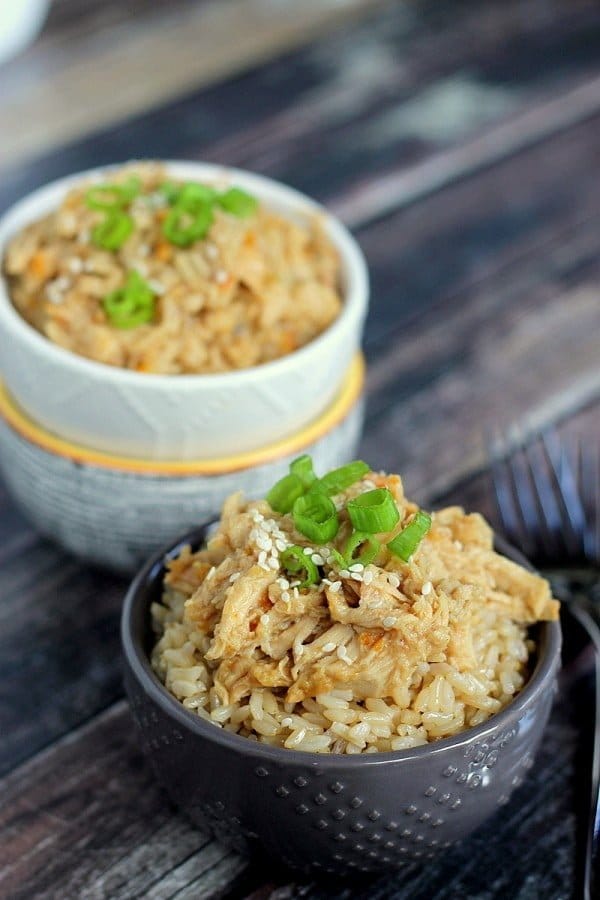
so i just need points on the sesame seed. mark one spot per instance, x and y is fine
(281, 545)
(389, 621)
(74, 265)
(357, 567)
(426, 589)
(234, 577)
(286, 722)
(211, 250)
(264, 619)
(296, 593)
(264, 566)
(336, 585)
(329, 646)
(344, 573)
(156, 286)
(356, 576)
(309, 551)
(262, 557)
(318, 559)
(221, 276)
(264, 542)
(393, 580)
(273, 562)
(283, 583)
(368, 577)
(285, 596)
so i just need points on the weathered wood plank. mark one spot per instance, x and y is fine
(120, 60)
(101, 829)
(381, 98)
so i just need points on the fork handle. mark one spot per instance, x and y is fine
(589, 878)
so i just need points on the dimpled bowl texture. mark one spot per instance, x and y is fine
(330, 813)
(114, 512)
(182, 417)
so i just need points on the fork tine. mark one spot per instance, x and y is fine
(505, 494)
(565, 490)
(528, 500)
(588, 481)
(550, 517)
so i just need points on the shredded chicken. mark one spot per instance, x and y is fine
(368, 630)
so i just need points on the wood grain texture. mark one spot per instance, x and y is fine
(482, 124)
(125, 57)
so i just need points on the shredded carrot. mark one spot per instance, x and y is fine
(163, 251)
(41, 264)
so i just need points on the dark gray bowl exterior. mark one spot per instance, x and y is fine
(330, 813)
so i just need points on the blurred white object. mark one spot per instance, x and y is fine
(20, 23)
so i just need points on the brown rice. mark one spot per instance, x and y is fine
(253, 289)
(375, 658)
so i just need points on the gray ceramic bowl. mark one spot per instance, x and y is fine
(330, 813)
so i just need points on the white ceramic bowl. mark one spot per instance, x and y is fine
(116, 511)
(181, 416)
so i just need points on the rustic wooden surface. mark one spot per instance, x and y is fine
(462, 143)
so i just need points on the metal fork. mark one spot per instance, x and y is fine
(548, 498)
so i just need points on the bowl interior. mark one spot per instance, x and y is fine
(137, 639)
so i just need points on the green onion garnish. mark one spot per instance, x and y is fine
(112, 233)
(339, 479)
(237, 202)
(131, 305)
(316, 517)
(295, 561)
(366, 544)
(193, 194)
(303, 468)
(187, 195)
(284, 493)
(184, 226)
(113, 196)
(406, 542)
(373, 511)
(336, 558)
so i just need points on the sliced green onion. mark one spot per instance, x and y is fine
(296, 561)
(339, 479)
(189, 194)
(303, 468)
(112, 196)
(112, 233)
(193, 194)
(365, 543)
(336, 558)
(316, 517)
(182, 226)
(170, 191)
(284, 493)
(238, 202)
(131, 305)
(406, 542)
(373, 511)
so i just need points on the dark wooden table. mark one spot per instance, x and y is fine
(461, 141)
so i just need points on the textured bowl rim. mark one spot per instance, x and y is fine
(355, 293)
(34, 433)
(540, 680)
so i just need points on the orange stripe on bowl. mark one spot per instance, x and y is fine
(35, 434)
